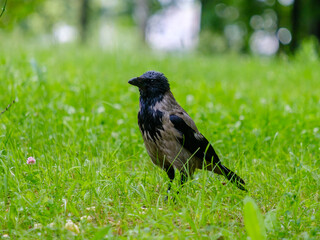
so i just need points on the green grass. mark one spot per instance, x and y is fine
(76, 114)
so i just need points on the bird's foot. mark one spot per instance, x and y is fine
(172, 198)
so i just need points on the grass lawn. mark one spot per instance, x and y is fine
(76, 115)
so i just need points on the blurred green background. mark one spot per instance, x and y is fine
(264, 27)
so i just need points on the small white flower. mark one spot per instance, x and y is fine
(51, 225)
(37, 226)
(91, 208)
(88, 218)
(71, 226)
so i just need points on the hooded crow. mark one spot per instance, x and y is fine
(170, 135)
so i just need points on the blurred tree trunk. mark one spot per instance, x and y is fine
(305, 21)
(315, 24)
(207, 14)
(296, 18)
(84, 19)
(142, 12)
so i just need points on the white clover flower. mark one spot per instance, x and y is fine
(71, 226)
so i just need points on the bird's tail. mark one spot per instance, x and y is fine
(232, 177)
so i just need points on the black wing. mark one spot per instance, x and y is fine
(198, 145)
(194, 142)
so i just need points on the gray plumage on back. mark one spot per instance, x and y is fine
(171, 137)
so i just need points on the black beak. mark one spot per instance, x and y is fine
(136, 82)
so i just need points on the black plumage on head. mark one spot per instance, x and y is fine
(151, 84)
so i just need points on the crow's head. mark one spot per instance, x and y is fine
(151, 84)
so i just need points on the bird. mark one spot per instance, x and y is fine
(170, 136)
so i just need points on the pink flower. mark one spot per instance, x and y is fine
(31, 160)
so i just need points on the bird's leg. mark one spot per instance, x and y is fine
(170, 173)
(184, 178)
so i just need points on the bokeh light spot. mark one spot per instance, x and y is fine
(286, 2)
(284, 36)
(264, 43)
